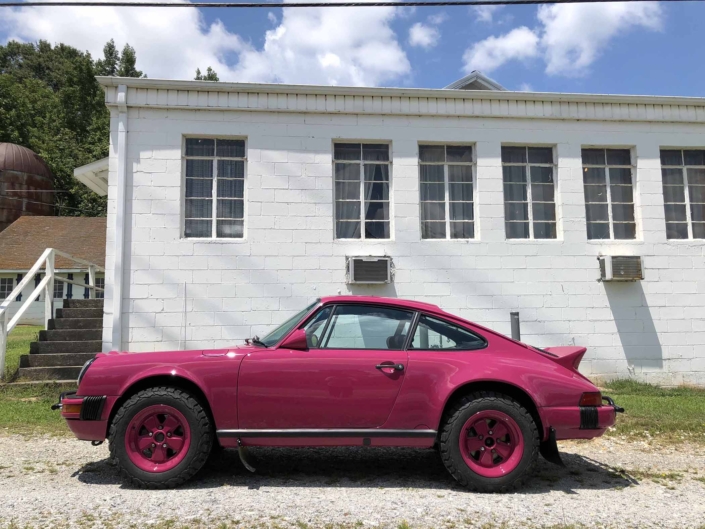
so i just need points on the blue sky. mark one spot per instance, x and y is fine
(638, 48)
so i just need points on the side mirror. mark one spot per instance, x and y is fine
(296, 340)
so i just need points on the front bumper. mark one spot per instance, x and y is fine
(580, 422)
(86, 416)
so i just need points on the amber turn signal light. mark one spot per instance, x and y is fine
(68, 409)
(591, 399)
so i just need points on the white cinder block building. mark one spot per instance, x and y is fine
(233, 205)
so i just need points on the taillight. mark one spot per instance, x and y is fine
(593, 398)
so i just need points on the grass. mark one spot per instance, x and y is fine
(17, 345)
(26, 409)
(658, 414)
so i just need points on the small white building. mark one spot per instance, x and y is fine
(233, 205)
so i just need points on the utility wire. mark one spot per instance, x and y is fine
(28, 201)
(269, 5)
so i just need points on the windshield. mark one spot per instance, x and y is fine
(281, 331)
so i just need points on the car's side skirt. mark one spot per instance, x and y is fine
(372, 432)
(327, 437)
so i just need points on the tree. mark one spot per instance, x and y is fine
(111, 58)
(210, 75)
(128, 59)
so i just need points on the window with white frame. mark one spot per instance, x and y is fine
(100, 283)
(361, 190)
(446, 191)
(58, 289)
(529, 192)
(683, 175)
(214, 205)
(6, 286)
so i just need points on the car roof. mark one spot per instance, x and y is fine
(392, 302)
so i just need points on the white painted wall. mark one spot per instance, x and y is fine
(654, 329)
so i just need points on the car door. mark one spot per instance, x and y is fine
(349, 377)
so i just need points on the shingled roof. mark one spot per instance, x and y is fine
(23, 242)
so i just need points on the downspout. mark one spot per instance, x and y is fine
(119, 252)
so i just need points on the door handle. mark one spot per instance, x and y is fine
(395, 367)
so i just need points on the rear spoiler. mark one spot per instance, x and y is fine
(568, 356)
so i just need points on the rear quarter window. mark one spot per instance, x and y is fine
(436, 334)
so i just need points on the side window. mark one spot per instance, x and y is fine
(316, 326)
(432, 333)
(367, 327)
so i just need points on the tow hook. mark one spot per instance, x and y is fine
(617, 409)
(56, 406)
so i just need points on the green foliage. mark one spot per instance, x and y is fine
(128, 59)
(26, 409)
(17, 345)
(108, 65)
(210, 75)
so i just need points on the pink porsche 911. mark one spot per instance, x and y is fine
(345, 371)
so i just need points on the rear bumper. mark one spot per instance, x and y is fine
(576, 422)
(86, 416)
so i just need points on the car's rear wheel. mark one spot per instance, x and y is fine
(489, 442)
(160, 437)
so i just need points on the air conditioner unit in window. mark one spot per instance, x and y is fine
(369, 270)
(621, 268)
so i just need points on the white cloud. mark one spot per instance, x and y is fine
(485, 13)
(438, 18)
(569, 39)
(493, 52)
(423, 35)
(272, 18)
(312, 46)
(525, 87)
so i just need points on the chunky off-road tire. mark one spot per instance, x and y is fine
(175, 421)
(472, 452)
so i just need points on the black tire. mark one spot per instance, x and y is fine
(198, 451)
(456, 418)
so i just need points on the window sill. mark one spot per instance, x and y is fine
(533, 241)
(615, 241)
(210, 240)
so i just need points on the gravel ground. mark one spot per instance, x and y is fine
(60, 482)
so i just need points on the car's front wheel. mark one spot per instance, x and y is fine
(489, 442)
(160, 437)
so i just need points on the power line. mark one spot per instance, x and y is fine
(270, 5)
(28, 201)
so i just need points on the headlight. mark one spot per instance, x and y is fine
(83, 370)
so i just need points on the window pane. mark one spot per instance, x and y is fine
(230, 148)
(675, 194)
(377, 230)
(462, 230)
(230, 209)
(544, 230)
(376, 191)
(514, 173)
(671, 158)
(623, 212)
(540, 155)
(461, 211)
(598, 230)
(516, 211)
(697, 212)
(542, 192)
(624, 231)
(432, 173)
(619, 157)
(367, 327)
(697, 194)
(376, 173)
(347, 210)
(593, 156)
(622, 193)
(459, 153)
(676, 230)
(542, 175)
(696, 176)
(434, 192)
(347, 151)
(347, 171)
(514, 154)
(432, 153)
(460, 173)
(230, 229)
(515, 193)
(461, 192)
(199, 169)
(595, 193)
(200, 147)
(672, 176)
(347, 230)
(544, 211)
(675, 212)
(594, 175)
(432, 333)
(517, 230)
(198, 209)
(375, 152)
(620, 176)
(377, 210)
(694, 157)
(231, 188)
(596, 212)
(231, 169)
(347, 190)
(698, 230)
(199, 187)
(433, 230)
(433, 211)
(197, 228)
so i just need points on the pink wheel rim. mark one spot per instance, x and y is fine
(491, 443)
(157, 438)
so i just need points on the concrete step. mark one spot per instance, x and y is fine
(49, 373)
(55, 360)
(83, 303)
(75, 323)
(71, 335)
(79, 313)
(94, 346)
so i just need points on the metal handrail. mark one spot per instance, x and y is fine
(46, 261)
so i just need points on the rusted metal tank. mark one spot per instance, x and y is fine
(26, 183)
